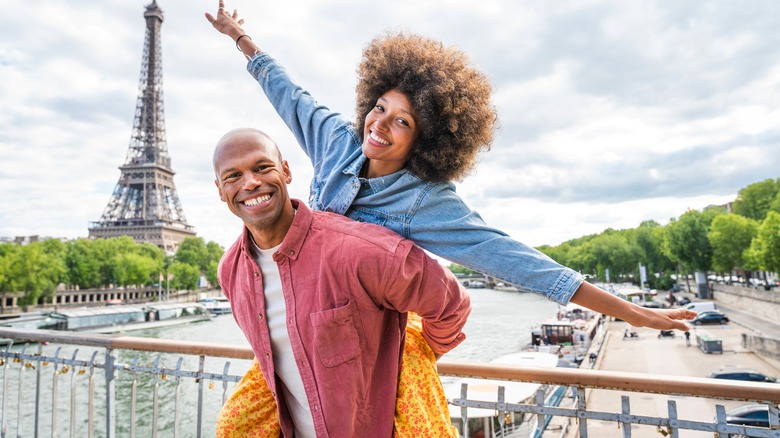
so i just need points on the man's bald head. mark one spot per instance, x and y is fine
(244, 135)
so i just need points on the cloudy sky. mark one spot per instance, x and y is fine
(611, 112)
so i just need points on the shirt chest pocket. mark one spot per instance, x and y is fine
(338, 334)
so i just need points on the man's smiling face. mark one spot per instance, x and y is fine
(252, 179)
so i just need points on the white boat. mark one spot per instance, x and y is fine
(507, 287)
(216, 305)
(114, 319)
(491, 423)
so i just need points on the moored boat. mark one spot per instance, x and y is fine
(216, 305)
(489, 422)
(113, 319)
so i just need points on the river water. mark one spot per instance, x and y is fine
(500, 323)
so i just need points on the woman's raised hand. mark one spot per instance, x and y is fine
(225, 22)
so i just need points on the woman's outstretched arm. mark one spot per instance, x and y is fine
(601, 301)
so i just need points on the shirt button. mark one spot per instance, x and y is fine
(260, 316)
(292, 252)
(257, 274)
(267, 355)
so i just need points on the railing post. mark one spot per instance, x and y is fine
(19, 409)
(177, 400)
(73, 397)
(109, 370)
(673, 419)
(54, 395)
(5, 364)
(38, 372)
(91, 397)
(156, 402)
(463, 410)
(539, 417)
(581, 412)
(201, 369)
(626, 415)
(225, 382)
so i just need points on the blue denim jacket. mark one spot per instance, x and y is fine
(430, 214)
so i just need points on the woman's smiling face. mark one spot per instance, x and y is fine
(390, 131)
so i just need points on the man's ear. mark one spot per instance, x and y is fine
(287, 172)
(219, 189)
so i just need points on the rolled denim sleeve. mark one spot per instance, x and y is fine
(447, 227)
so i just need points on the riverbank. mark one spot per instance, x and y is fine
(650, 354)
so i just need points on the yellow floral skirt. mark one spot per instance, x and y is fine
(420, 407)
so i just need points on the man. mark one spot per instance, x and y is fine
(322, 299)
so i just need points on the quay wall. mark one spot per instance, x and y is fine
(101, 297)
(762, 346)
(759, 302)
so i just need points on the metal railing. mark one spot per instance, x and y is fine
(139, 364)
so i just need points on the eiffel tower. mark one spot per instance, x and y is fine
(144, 204)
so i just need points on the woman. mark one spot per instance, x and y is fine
(423, 114)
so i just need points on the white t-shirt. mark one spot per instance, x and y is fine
(284, 360)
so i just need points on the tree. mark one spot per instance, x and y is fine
(755, 200)
(82, 264)
(7, 253)
(766, 245)
(185, 276)
(34, 273)
(193, 251)
(458, 269)
(730, 236)
(135, 269)
(686, 241)
(648, 241)
(612, 251)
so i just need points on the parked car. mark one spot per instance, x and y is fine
(752, 414)
(710, 317)
(701, 306)
(742, 374)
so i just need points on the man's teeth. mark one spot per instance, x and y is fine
(378, 140)
(257, 201)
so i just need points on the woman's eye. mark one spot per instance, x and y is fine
(403, 122)
(379, 108)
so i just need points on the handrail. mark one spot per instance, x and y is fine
(615, 380)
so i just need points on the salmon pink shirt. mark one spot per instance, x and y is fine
(347, 287)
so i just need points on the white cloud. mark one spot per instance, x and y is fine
(611, 112)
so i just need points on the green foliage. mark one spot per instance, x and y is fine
(83, 264)
(136, 269)
(34, 272)
(193, 251)
(730, 236)
(185, 276)
(7, 254)
(766, 246)
(756, 200)
(211, 274)
(687, 243)
(458, 269)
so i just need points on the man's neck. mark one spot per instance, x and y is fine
(271, 237)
